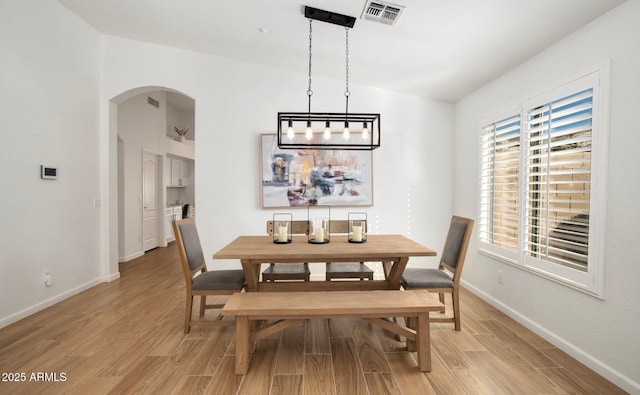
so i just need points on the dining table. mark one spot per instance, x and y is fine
(391, 250)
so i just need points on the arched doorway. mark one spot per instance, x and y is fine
(145, 122)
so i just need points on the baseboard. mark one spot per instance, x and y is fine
(580, 355)
(130, 257)
(112, 277)
(47, 303)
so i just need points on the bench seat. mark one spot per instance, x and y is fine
(288, 308)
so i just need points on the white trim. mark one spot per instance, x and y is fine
(592, 281)
(130, 257)
(48, 302)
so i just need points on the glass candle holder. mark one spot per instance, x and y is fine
(282, 231)
(319, 220)
(357, 227)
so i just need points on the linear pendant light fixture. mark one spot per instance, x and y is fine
(328, 130)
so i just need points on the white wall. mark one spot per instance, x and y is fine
(236, 102)
(49, 114)
(605, 334)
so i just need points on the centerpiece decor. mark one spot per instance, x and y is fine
(357, 227)
(282, 228)
(319, 218)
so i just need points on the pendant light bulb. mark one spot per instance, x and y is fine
(290, 133)
(327, 131)
(345, 133)
(309, 132)
(365, 131)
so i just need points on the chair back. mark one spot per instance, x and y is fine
(297, 228)
(189, 247)
(339, 226)
(455, 247)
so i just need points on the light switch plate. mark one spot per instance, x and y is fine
(48, 172)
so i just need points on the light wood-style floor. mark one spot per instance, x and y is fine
(126, 337)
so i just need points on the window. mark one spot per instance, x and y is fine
(500, 179)
(542, 168)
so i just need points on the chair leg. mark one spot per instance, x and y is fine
(456, 308)
(187, 316)
(203, 304)
(441, 297)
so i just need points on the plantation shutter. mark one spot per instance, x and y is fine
(558, 180)
(499, 179)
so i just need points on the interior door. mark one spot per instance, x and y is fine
(150, 202)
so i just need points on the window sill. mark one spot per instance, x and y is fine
(540, 273)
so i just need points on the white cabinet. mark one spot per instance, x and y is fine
(168, 215)
(179, 172)
(171, 214)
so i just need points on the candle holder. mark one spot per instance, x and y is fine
(319, 219)
(357, 227)
(282, 224)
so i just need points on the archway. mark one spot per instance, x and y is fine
(133, 115)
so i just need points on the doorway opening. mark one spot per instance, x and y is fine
(149, 156)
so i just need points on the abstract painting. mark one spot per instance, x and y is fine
(309, 177)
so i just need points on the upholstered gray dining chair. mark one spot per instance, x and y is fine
(199, 281)
(446, 278)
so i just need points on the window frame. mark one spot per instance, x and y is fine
(590, 281)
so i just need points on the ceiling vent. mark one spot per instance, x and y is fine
(379, 11)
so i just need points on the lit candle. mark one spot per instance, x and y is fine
(282, 234)
(319, 234)
(357, 233)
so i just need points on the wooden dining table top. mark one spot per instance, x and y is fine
(392, 251)
(376, 248)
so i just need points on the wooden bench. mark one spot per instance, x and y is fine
(289, 308)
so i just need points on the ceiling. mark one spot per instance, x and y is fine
(439, 49)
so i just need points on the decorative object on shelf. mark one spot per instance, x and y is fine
(299, 178)
(182, 133)
(282, 229)
(367, 125)
(319, 218)
(357, 227)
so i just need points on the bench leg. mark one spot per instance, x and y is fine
(242, 344)
(411, 322)
(423, 342)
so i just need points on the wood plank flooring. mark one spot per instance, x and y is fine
(126, 337)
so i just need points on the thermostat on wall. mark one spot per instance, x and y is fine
(48, 172)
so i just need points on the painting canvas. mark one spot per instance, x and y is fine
(304, 177)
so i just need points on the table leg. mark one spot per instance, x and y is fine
(423, 342)
(395, 273)
(251, 274)
(386, 267)
(242, 344)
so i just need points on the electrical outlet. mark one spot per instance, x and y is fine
(500, 277)
(48, 279)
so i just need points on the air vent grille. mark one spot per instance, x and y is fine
(379, 11)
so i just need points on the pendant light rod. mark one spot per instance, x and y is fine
(329, 17)
(309, 91)
(367, 138)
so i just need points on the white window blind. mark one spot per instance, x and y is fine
(558, 180)
(542, 184)
(500, 167)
